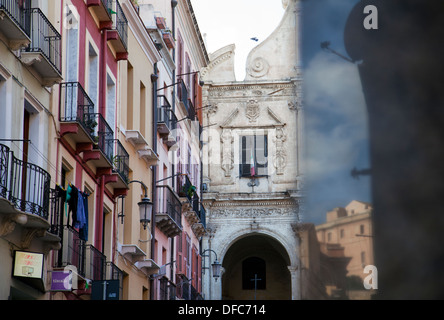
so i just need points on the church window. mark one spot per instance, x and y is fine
(254, 155)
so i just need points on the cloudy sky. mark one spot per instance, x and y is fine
(335, 114)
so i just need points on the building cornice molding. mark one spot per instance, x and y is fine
(141, 34)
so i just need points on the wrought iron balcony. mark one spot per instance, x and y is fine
(167, 289)
(183, 93)
(196, 215)
(45, 51)
(76, 108)
(105, 138)
(84, 126)
(121, 164)
(95, 263)
(13, 21)
(168, 211)
(25, 185)
(183, 187)
(88, 260)
(165, 116)
(118, 35)
(191, 110)
(72, 252)
(102, 9)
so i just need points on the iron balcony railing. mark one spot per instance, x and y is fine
(16, 11)
(24, 184)
(44, 37)
(199, 209)
(169, 204)
(183, 93)
(73, 251)
(122, 25)
(56, 212)
(87, 259)
(121, 161)
(114, 273)
(108, 4)
(167, 289)
(191, 110)
(77, 106)
(105, 137)
(95, 263)
(203, 216)
(184, 186)
(195, 295)
(165, 113)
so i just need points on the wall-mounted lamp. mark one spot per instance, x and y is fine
(145, 206)
(216, 266)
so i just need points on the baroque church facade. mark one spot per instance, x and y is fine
(253, 169)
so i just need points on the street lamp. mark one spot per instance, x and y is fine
(145, 206)
(216, 266)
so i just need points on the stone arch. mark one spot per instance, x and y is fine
(262, 245)
(285, 242)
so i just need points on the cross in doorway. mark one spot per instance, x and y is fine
(255, 284)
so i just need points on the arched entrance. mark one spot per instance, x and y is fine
(257, 257)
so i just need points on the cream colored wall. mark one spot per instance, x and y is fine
(353, 242)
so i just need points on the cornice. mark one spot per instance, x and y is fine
(141, 34)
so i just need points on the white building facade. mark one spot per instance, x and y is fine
(252, 168)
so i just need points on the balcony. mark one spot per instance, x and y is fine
(191, 110)
(168, 38)
(44, 53)
(183, 94)
(88, 260)
(167, 289)
(88, 131)
(196, 215)
(24, 192)
(168, 212)
(142, 147)
(12, 24)
(121, 165)
(164, 116)
(183, 187)
(102, 10)
(75, 110)
(118, 35)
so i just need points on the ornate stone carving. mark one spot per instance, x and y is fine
(29, 234)
(252, 111)
(227, 162)
(258, 68)
(280, 158)
(253, 212)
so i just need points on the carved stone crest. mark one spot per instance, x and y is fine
(252, 111)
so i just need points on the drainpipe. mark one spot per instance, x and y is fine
(154, 78)
(173, 26)
(101, 110)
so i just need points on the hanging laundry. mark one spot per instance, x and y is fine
(80, 221)
(72, 199)
(84, 230)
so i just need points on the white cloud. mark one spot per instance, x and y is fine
(336, 117)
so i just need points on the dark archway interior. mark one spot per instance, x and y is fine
(256, 255)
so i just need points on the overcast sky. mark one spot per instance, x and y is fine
(336, 120)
